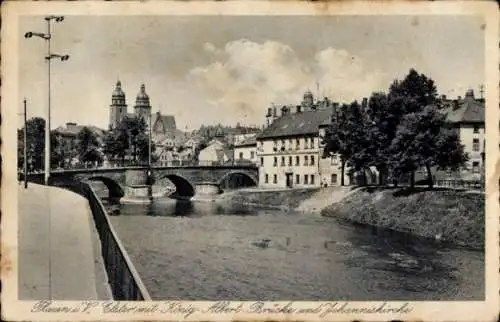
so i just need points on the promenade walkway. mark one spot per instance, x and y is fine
(59, 250)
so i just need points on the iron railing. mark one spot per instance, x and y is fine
(124, 280)
(460, 184)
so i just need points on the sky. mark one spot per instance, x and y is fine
(229, 69)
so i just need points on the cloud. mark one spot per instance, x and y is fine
(248, 76)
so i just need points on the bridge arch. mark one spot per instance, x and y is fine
(183, 187)
(242, 178)
(114, 188)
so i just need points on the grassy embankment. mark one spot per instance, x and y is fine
(452, 216)
(278, 199)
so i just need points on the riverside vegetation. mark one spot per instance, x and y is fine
(450, 216)
(446, 215)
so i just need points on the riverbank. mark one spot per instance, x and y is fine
(283, 199)
(448, 215)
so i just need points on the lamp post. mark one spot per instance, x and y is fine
(48, 36)
(25, 148)
(150, 174)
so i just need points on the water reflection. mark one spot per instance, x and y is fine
(179, 208)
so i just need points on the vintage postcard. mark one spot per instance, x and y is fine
(250, 161)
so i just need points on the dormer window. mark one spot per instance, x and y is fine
(476, 129)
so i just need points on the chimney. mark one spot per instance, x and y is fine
(275, 114)
(460, 98)
(456, 103)
(284, 110)
(298, 109)
(443, 97)
(364, 103)
(269, 112)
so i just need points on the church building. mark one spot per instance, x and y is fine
(162, 124)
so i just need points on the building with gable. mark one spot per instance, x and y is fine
(467, 117)
(245, 151)
(164, 132)
(217, 151)
(289, 149)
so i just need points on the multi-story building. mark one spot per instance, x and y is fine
(288, 149)
(466, 116)
(245, 151)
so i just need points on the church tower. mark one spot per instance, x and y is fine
(118, 107)
(142, 107)
(308, 101)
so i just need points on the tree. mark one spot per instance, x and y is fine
(115, 146)
(411, 95)
(346, 137)
(88, 146)
(35, 144)
(380, 128)
(57, 152)
(131, 138)
(423, 141)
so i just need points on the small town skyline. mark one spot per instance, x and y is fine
(232, 76)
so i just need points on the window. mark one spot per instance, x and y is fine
(275, 146)
(275, 179)
(334, 160)
(475, 145)
(289, 144)
(312, 159)
(334, 178)
(241, 155)
(267, 178)
(306, 159)
(282, 161)
(306, 177)
(275, 164)
(297, 144)
(290, 160)
(297, 179)
(262, 161)
(312, 178)
(312, 143)
(475, 167)
(252, 154)
(282, 145)
(476, 129)
(297, 160)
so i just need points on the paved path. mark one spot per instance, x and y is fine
(59, 251)
(323, 198)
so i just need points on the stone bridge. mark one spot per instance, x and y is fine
(188, 180)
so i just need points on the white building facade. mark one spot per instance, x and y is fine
(245, 152)
(289, 149)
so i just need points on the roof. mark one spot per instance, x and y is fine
(167, 120)
(74, 129)
(468, 110)
(295, 124)
(250, 141)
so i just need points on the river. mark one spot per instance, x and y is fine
(208, 251)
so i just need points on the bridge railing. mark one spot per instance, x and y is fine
(460, 184)
(124, 280)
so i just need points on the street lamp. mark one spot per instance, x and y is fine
(48, 36)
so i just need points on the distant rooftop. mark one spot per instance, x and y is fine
(466, 110)
(296, 124)
(248, 142)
